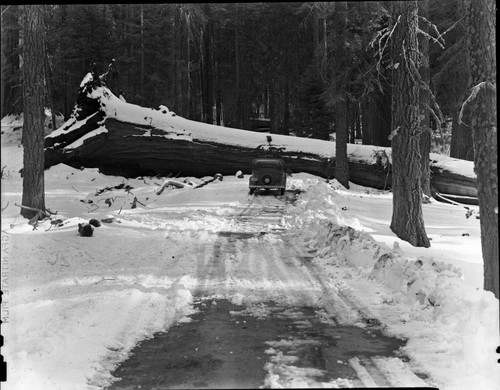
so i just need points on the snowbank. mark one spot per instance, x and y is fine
(451, 326)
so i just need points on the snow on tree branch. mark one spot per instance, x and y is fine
(383, 34)
(439, 39)
(475, 90)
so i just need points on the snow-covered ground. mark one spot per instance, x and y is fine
(75, 306)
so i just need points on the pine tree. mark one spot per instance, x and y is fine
(341, 122)
(425, 134)
(407, 220)
(33, 94)
(11, 101)
(449, 71)
(481, 53)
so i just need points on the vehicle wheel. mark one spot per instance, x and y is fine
(266, 179)
(252, 190)
(282, 191)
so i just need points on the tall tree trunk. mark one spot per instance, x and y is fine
(461, 138)
(376, 118)
(218, 107)
(342, 135)
(425, 135)
(208, 66)
(286, 113)
(315, 29)
(384, 107)
(143, 94)
(50, 87)
(33, 127)
(218, 87)
(11, 102)
(481, 52)
(203, 90)
(177, 58)
(266, 102)
(273, 110)
(407, 220)
(188, 75)
(239, 102)
(351, 121)
(358, 132)
(368, 120)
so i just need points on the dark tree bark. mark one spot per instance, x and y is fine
(342, 136)
(273, 109)
(50, 88)
(377, 119)
(177, 58)
(351, 123)
(461, 146)
(407, 220)
(425, 136)
(218, 107)
(142, 75)
(239, 99)
(315, 28)
(208, 103)
(11, 95)
(286, 110)
(33, 127)
(481, 52)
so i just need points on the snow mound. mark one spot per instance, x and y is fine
(318, 206)
(452, 316)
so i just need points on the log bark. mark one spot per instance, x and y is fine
(139, 149)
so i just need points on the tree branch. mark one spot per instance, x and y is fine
(475, 90)
(46, 213)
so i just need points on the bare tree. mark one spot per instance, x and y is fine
(33, 127)
(407, 220)
(481, 53)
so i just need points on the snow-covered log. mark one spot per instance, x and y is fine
(130, 140)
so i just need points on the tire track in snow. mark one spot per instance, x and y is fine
(297, 287)
(254, 260)
(274, 261)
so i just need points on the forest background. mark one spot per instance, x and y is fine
(281, 67)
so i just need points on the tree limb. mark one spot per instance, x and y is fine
(473, 95)
(46, 213)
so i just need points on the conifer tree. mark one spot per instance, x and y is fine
(33, 127)
(407, 220)
(482, 103)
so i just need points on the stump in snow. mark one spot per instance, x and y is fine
(85, 229)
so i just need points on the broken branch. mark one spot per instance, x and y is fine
(169, 182)
(45, 213)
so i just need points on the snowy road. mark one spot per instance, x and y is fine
(265, 315)
(300, 288)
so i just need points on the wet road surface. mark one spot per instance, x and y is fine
(295, 329)
(222, 347)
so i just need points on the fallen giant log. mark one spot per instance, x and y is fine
(124, 139)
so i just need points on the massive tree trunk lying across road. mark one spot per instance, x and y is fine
(125, 139)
